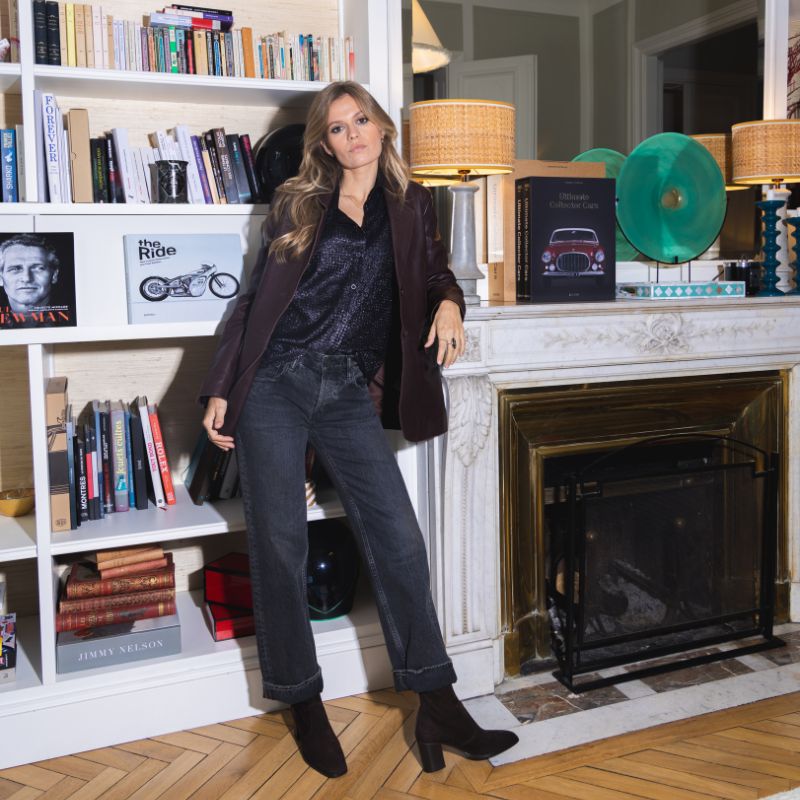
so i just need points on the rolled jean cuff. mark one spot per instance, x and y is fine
(426, 679)
(295, 693)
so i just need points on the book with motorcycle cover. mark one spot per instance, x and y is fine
(37, 280)
(182, 277)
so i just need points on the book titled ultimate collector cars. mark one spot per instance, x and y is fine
(565, 239)
(182, 277)
(37, 280)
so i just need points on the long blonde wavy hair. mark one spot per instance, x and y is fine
(320, 173)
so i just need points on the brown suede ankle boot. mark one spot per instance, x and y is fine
(316, 740)
(443, 720)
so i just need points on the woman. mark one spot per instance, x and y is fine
(351, 311)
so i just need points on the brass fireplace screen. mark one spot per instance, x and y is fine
(551, 435)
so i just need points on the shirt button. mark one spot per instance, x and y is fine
(352, 286)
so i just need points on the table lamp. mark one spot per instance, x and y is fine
(427, 52)
(462, 139)
(767, 151)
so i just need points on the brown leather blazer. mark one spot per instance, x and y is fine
(410, 382)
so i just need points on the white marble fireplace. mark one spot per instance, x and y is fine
(558, 345)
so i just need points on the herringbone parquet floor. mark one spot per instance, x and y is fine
(747, 752)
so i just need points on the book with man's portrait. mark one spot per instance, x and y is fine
(37, 280)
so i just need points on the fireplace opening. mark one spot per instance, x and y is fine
(655, 549)
(649, 580)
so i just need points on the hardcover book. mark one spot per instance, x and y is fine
(182, 277)
(566, 250)
(121, 643)
(83, 580)
(58, 469)
(37, 281)
(8, 647)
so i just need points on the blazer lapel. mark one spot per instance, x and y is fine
(401, 222)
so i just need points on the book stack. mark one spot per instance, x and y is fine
(111, 459)
(183, 39)
(117, 614)
(117, 586)
(213, 473)
(78, 168)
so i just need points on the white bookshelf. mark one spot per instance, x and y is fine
(104, 356)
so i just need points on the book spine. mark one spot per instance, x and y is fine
(50, 113)
(229, 64)
(225, 166)
(526, 240)
(91, 472)
(197, 154)
(71, 621)
(100, 189)
(518, 238)
(97, 36)
(8, 156)
(109, 559)
(40, 31)
(13, 30)
(62, 34)
(129, 458)
(152, 458)
(120, 461)
(107, 492)
(89, 33)
(80, 465)
(139, 462)
(208, 138)
(133, 569)
(117, 600)
(80, 35)
(74, 511)
(247, 51)
(20, 155)
(161, 454)
(250, 169)
(97, 587)
(193, 182)
(239, 174)
(217, 53)
(210, 70)
(212, 183)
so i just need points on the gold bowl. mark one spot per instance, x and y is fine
(16, 502)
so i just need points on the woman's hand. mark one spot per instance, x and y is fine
(213, 420)
(449, 329)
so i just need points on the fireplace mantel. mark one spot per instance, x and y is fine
(515, 346)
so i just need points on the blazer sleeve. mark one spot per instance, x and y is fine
(440, 279)
(222, 372)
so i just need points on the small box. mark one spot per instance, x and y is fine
(229, 623)
(57, 461)
(8, 647)
(705, 290)
(227, 582)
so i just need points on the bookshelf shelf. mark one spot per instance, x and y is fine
(180, 521)
(164, 87)
(199, 652)
(10, 78)
(131, 209)
(17, 538)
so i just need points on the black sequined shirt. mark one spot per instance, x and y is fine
(343, 304)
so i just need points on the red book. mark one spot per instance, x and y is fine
(84, 581)
(161, 454)
(117, 600)
(73, 621)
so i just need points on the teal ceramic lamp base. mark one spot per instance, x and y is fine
(793, 223)
(769, 280)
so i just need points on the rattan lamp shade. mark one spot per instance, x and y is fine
(719, 145)
(451, 137)
(766, 151)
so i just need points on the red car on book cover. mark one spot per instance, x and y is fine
(573, 252)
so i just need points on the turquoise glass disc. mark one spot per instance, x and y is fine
(671, 198)
(613, 161)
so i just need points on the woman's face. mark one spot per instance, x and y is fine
(352, 139)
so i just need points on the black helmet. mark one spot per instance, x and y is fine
(332, 570)
(278, 156)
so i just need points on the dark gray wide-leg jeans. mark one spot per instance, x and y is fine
(324, 400)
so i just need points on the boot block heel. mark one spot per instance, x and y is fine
(432, 757)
